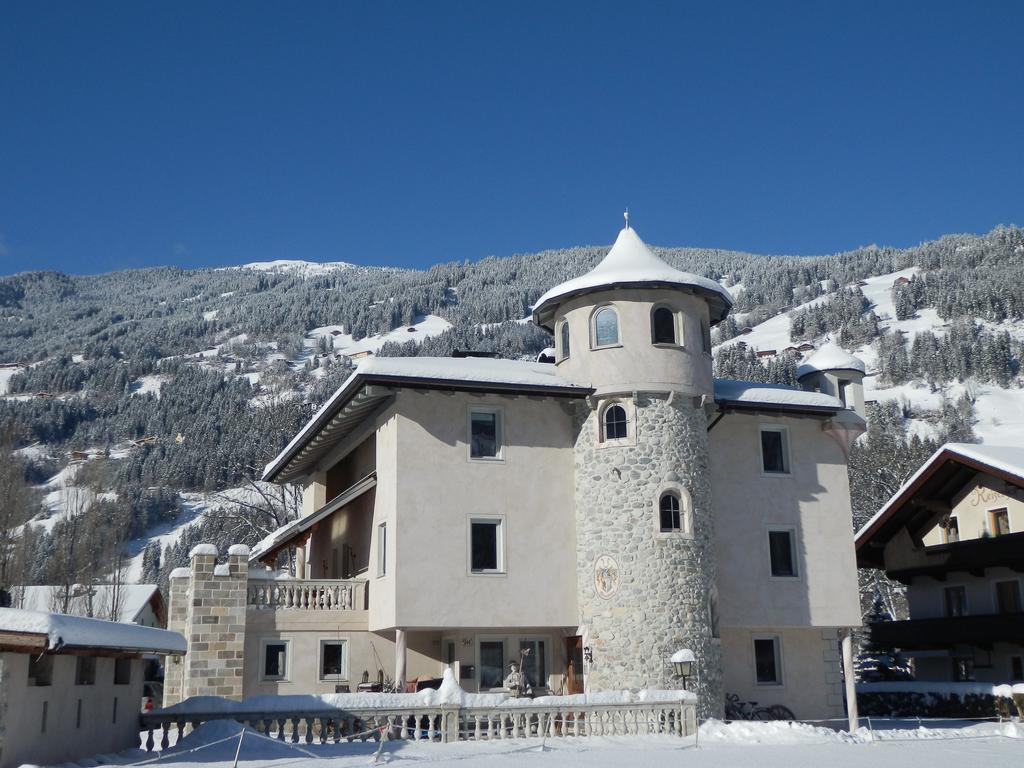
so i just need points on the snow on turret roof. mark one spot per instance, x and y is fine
(629, 263)
(71, 632)
(831, 357)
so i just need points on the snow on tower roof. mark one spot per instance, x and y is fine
(77, 632)
(631, 263)
(831, 357)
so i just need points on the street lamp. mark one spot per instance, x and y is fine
(682, 664)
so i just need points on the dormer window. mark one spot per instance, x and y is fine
(606, 327)
(564, 338)
(614, 422)
(663, 326)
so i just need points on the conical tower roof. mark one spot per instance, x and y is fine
(831, 357)
(630, 263)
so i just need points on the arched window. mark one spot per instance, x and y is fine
(663, 326)
(614, 422)
(565, 339)
(671, 520)
(606, 327)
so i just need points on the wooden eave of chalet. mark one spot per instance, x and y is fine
(925, 499)
(298, 531)
(982, 631)
(366, 394)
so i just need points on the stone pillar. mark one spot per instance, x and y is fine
(314, 494)
(644, 594)
(400, 653)
(214, 664)
(300, 561)
(850, 681)
(177, 621)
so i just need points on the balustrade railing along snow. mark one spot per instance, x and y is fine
(308, 594)
(515, 718)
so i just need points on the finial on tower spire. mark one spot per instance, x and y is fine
(626, 216)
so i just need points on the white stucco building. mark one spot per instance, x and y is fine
(600, 513)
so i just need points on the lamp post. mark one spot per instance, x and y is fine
(682, 664)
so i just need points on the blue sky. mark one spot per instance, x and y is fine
(409, 133)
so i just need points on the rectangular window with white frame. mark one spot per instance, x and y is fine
(486, 545)
(274, 660)
(782, 553)
(382, 549)
(486, 434)
(775, 450)
(767, 660)
(334, 660)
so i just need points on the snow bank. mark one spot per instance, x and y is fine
(80, 632)
(750, 732)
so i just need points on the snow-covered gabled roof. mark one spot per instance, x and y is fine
(831, 357)
(630, 263)
(1004, 461)
(132, 599)
(373, 382)
(60, 632)
(753, 395)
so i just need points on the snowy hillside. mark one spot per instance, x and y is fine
(143, 402)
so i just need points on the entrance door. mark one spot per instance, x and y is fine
(574, 664)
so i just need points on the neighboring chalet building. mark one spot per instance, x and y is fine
(71, 687)
(597, 514)
(127, 603)
(954, 534)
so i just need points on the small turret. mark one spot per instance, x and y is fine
(834, 371)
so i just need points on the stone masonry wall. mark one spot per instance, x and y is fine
(214, 623)
(644, 595)
(177, 621)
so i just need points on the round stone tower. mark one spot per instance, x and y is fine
(637, 331)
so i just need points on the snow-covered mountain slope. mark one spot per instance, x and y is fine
(998, 411)
(177, 383)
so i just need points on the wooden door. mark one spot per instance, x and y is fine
(574, 664)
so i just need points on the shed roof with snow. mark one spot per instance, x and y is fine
(60, 633)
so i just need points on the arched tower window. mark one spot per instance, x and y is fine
(564, 334)
(614, 422)
(606, 327)
(669, 509)
(663, 326)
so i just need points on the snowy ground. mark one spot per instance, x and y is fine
(736, 745)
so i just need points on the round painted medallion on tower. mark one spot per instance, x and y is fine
(606, 576)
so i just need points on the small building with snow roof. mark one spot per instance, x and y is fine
(587, 517)
(71, 686)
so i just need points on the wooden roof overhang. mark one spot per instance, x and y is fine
(927, 497)
(37, 643)
(364, 395)
(928, 634)
(298, 531)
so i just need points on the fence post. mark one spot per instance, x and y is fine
(449, 723)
